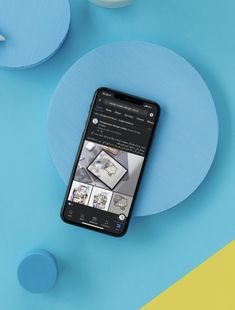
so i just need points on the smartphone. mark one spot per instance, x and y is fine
(109, 162)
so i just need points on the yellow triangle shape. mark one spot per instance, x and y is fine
(211, 286)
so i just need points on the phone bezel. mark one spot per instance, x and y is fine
(134, 100)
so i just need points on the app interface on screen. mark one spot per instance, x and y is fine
(110, 162)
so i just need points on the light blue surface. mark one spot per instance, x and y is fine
(111, 3)
(96, 271)
(185, 144)
(34, 30)
(37, 272)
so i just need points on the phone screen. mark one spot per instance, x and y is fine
(110, 159)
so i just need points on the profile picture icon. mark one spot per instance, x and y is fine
(95, 121)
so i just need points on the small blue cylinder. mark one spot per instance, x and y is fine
(37, 272)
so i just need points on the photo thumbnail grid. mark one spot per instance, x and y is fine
(105, 178)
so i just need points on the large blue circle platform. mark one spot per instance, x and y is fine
(34, 30)
(185, 144)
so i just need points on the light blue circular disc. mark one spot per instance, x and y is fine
(37, 272)
(186, 139)
(34, 30)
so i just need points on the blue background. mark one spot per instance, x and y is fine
(97, 271)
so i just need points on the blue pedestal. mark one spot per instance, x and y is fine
(37, 272)
(187, 135)
(34, 30)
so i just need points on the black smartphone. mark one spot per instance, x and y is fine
(110, 161)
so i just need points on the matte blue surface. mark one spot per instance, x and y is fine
(34, 30)
(37, 272)
(96, 271)
(111, 3)
(185, 145)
